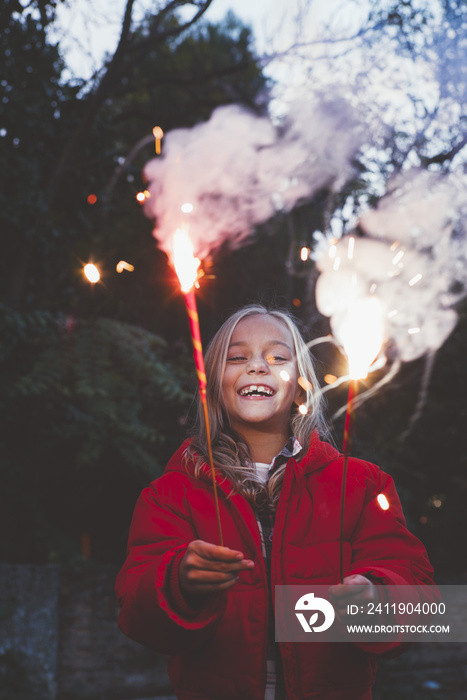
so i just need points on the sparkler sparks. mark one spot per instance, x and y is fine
(92, 273)
(415, 279)
(158, 135)
(123, 265)
(184, 261)
(383, 501)
(361, 334)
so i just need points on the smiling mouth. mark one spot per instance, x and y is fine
(256, 390)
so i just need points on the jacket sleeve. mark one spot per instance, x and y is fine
(153, 610)
(382, 546)
(384, 550)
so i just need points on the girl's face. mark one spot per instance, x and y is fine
(255, 391)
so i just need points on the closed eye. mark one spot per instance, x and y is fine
(236, 358)
(276, 359)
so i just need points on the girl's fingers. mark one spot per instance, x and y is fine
(214, 551)
(203, 555)
(210, 577)
(206, 567)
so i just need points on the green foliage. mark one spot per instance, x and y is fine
(85, 402)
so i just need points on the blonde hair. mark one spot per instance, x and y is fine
(230, 452)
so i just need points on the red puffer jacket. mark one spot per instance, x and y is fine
(219, 652)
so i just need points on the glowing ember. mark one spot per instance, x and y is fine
(330, 378)
(92, 273)
(185, 264)
(305, 384)
(158, 134)
(351, 248)
(92, 198)
(415, 279)
(303, 409)
(383, 501)
(122, 265)
(187, 208)
(141, 197)
(304, 253)
(361, 334)
(285, 376)
(397, 258)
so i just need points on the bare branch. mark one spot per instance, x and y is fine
(441, 158)
(92, 107)
(118, 172)
(174, 31)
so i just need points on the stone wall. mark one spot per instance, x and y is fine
(28, 631)
(59, 638)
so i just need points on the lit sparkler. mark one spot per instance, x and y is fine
(361, 336)
(186, 266)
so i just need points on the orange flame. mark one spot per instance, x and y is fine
(184, 261)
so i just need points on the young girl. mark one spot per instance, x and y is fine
(210, 607)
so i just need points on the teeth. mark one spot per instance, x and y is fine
(254, 389)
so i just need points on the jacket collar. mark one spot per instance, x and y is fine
(319, 455)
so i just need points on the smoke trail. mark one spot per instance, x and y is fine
(414, 261)
(238, 170)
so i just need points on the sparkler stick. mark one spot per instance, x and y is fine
(186, 266)
(362, 337)
(347, 444)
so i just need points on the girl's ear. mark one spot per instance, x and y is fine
(300, 395)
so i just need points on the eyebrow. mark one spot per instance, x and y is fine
(272, 343)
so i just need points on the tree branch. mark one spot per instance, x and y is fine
(92, 108)
(158, 37)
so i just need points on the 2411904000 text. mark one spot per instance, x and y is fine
(399, 608)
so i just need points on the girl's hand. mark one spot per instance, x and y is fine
(355, 590)
(207, 567)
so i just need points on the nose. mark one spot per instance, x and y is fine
(258, 365)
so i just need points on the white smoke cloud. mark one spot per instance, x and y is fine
(238, 170)
(414, 261)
